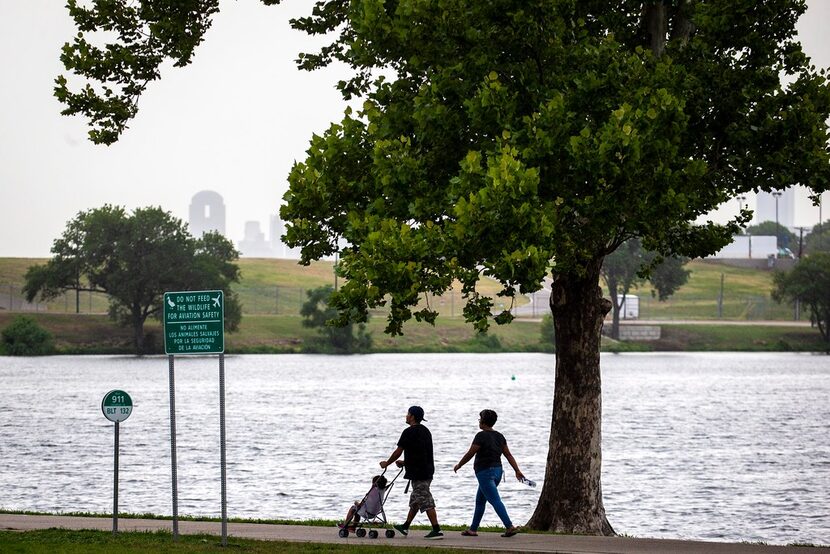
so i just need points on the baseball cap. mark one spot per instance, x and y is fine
(417, 412)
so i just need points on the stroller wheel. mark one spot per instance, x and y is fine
(360, 533)
(343, 533)
(390, 533)
(373, 534)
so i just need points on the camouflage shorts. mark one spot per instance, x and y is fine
(421, 498)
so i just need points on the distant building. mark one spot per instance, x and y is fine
(277, 229)
(765, 207)
(254, 245)
(207, 213)
(748, 247)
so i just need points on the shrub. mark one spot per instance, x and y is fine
(24, 337)
(547, 332)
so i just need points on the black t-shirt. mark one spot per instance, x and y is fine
(490, 446)
(416, 441)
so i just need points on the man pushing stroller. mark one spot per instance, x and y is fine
(415, 444)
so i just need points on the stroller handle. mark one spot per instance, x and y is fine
(394, 478)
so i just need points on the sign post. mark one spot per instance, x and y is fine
(116, 406)
(194, 324)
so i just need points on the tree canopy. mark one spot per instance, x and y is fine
(519, 139)
(134, 259)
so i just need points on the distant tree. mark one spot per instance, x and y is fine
(134, 259)
(785, 238)
(808, 282)
(24, 337)
(668, 276)
(631, 266)
(319, 315)
(819, 239)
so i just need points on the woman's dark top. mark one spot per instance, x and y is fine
(490, 446)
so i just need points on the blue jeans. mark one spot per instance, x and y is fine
(488, 482)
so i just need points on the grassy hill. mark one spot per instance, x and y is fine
(277, 287)
(272, 291)
(746, 296)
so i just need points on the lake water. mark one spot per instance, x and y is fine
(719, 446)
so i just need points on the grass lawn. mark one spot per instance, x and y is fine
(50, 541)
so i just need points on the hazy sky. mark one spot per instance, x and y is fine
(233, 121)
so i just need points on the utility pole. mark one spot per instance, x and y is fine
(777, 195)
(800, 241)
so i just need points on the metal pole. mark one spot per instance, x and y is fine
(115, 486)
(720, 298)
(777, 194)
(800, 241)
(222, 447)
(173, 450)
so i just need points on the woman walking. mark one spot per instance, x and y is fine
(487, 447)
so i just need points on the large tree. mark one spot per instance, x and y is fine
(631, 265)
(134, 259)
(519, 139)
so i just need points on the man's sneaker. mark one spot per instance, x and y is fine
(433, 535)
(402, 529)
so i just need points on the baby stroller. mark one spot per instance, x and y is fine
(369, 512)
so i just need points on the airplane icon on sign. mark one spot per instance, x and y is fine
(216, 301)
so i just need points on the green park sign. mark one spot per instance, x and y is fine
(117, 405)
(194, 322)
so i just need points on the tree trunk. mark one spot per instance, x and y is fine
(138, 334)
(615, 308)
(571, 498)
(655, 24)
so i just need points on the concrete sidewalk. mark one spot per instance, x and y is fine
(523, 542)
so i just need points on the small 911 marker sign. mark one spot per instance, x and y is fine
(117, 405)
(194, 322)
